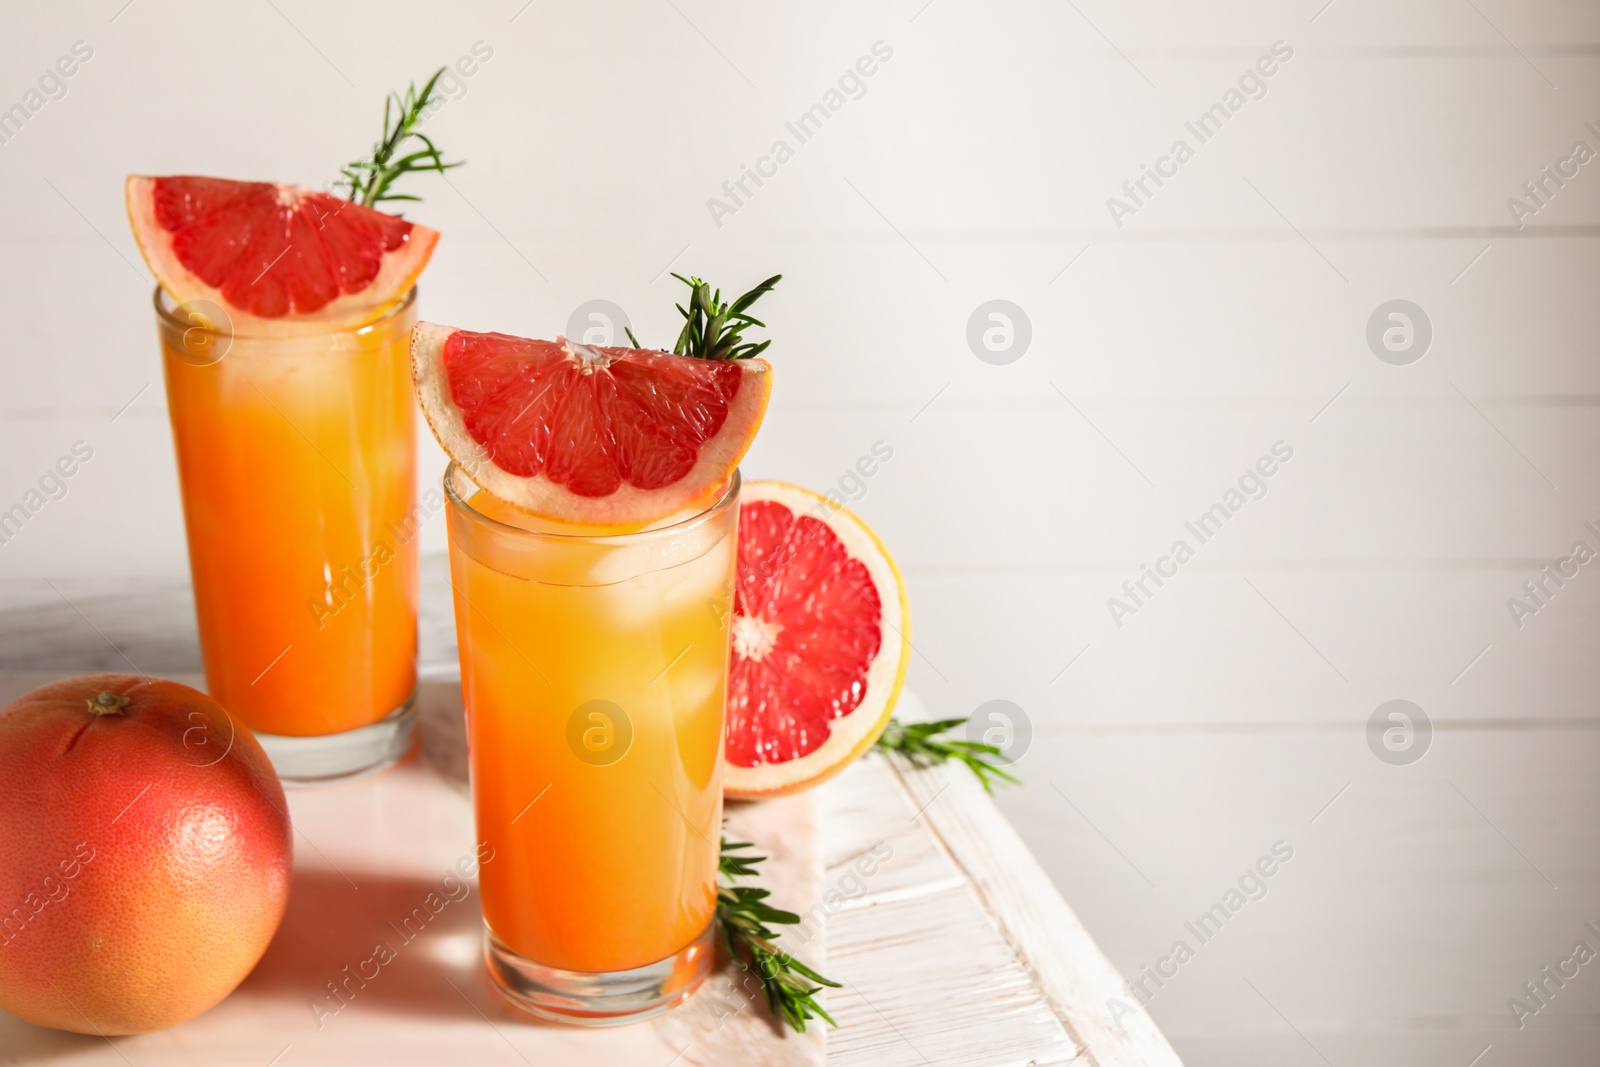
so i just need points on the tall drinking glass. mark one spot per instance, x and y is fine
(297, 462)
(594, 672)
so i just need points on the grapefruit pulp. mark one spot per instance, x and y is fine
(275, 252)
(819, 642)
(600, 437)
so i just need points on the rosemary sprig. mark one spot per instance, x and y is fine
(920, 742)
(745, 915)
(713, 329)
(368, 180)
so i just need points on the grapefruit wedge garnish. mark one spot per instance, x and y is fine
(267, 251)
(819, 642)
(603, 437)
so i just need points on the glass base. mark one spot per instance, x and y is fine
(610, 998)
(343, 756)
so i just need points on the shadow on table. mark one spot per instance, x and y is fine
(382, 945)
(378, 943)
(22, 1042)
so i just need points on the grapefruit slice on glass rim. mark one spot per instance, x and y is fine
(819, 642)
(274, 254)
(613, 438)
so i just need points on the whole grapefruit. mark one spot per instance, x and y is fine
(145, 854)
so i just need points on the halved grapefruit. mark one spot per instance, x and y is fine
(268, 251)
(603, 437)
(819, 642)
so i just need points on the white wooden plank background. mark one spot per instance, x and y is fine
(1209, 326)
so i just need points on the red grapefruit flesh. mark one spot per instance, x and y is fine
(274, 252)
(604, 437)
(147, 854)
(819, 642)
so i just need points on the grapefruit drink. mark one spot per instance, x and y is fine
(594, 671)
(284, 317)
(592, 516)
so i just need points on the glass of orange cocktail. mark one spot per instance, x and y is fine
(594, 671)
(285, 315)
(296, 459)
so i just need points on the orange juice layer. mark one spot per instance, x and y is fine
(594, 694)
(296, 459)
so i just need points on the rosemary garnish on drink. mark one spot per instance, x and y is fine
(713, 329)
(745, 914)
(367, 181)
